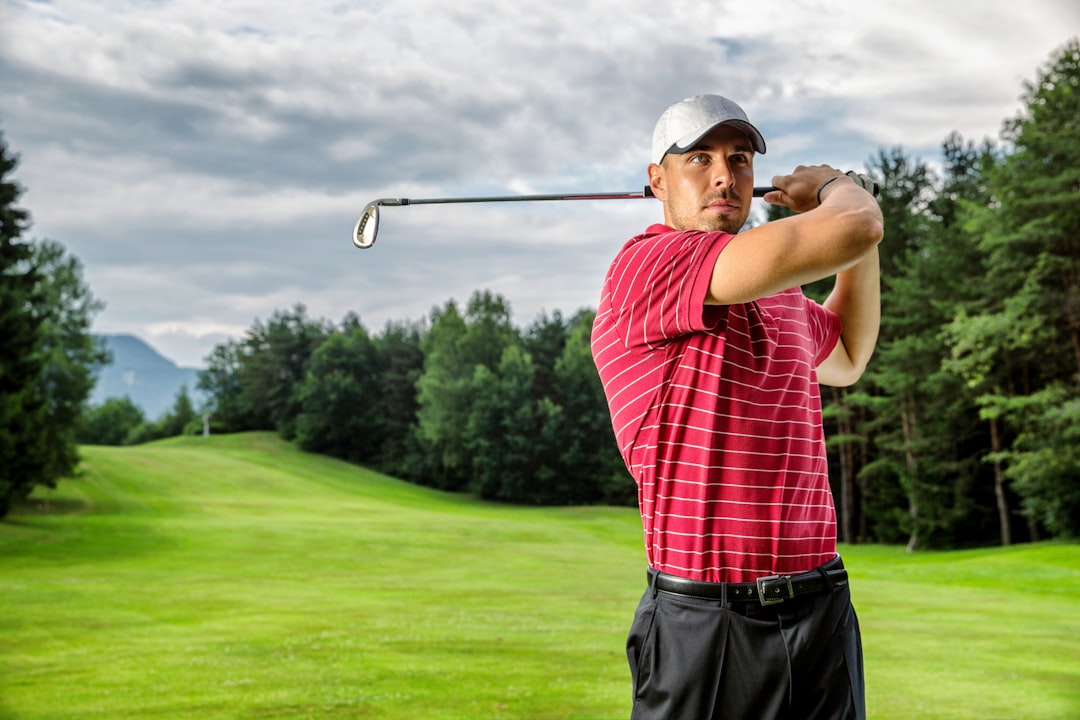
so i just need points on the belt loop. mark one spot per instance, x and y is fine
(825, 575)
(652, 582)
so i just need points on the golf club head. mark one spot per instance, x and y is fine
(367, 227)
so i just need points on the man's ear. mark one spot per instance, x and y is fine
(657, 182)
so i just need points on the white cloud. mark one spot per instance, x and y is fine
(206, 161)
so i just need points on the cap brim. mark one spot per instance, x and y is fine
(687, 143)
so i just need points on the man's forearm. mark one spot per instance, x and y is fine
(856, 298)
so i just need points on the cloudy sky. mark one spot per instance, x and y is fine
(206, 161)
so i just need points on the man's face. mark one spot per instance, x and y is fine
(709, 187)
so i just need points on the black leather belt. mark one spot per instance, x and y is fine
(768, 590)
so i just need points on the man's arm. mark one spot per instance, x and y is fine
(822, 241)
(856, 298)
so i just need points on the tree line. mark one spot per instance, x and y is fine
(120, 421)
(964, 430)
(462, 401)
(966, 427)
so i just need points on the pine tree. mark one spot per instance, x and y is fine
(47, 356)
(22, 411)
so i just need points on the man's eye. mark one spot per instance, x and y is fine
(699, 158)
(739, 159)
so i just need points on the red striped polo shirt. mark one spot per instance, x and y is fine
(717, 412)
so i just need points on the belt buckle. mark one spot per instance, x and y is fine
(779, 582)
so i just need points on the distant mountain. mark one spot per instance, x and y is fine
(140, 372)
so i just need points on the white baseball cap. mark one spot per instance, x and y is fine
(683, 125)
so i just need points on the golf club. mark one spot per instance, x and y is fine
(367, 227)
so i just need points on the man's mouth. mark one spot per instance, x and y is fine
(723, 205)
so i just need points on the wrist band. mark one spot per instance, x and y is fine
(822, 187)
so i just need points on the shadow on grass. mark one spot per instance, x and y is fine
(43, 507)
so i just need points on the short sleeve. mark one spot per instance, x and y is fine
(658, 283)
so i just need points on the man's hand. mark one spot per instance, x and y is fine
(808, 186)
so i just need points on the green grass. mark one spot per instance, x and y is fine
(235, 577)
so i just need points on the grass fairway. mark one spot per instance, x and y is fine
(235, 577)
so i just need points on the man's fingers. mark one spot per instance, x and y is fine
(774, 197)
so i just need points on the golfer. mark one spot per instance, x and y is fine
(710, 357)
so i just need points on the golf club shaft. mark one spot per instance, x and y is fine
(645, 193)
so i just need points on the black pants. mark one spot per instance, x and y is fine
(698, 659)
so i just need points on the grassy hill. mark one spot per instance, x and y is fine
(235, 577)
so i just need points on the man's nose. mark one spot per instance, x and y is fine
(721, 175)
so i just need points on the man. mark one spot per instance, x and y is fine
(710, 356)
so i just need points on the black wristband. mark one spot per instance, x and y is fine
(822, 186)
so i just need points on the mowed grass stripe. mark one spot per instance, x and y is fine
(235, 577)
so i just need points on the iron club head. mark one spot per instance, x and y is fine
(367, 227)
